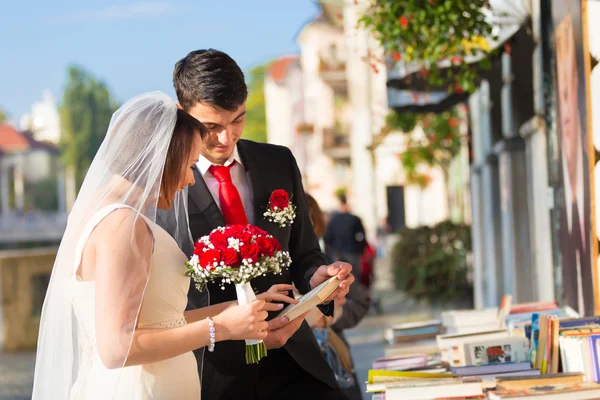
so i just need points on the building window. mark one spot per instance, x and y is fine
(39, 285)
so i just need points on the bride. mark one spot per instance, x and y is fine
(114, 324)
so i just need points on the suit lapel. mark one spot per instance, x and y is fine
(205, 203)
(256, 184)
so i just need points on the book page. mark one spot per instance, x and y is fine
(317, 295)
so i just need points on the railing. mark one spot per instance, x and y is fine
(336, 143)
(334, 75)
(36, 226)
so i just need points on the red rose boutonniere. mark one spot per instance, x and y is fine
(281, 211)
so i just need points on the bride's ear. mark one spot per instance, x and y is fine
(179, 105)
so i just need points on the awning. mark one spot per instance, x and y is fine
(423, 102)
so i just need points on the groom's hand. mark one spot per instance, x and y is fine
(280, 330)
(343, 271)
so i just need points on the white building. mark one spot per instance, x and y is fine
(344, 107)
(23, 161)
(284, 98)
(44, 120)
(326, 111)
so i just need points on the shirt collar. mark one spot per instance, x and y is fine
(204, 164)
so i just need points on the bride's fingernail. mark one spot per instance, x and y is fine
(279, 305)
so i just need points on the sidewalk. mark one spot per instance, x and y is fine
(367, 340)
(16, 375)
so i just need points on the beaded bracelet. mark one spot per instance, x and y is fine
(211, 330)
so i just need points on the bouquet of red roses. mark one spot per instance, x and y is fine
(237, 254)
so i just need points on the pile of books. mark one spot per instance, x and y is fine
(468, 321)
(421, 331)
(523, 351)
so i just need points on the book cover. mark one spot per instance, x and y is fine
(594, 344)
(310, 299)
(378, 376)
(579, 322)
(459, 388)
(549, 390)
(532, 307)
(488, 369)
(520, 382)
(505, 350)
(399, 363)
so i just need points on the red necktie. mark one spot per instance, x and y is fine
(231, 202)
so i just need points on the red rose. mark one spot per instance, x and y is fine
(209, 257)
(231, 258)
(256, 231)
(232, 230)
(218, 239)
(243, 237)
(199, 249)
(279, 199)
(250, 252)
(266, 246)
(397, 56)
(403, 21)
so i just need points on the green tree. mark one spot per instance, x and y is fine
(85, 113)
(441, 143)
(3, 116)
(256, 119)
(438, 147)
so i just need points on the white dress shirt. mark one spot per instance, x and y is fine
(238, 177)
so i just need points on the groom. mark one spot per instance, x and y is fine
(234, 181)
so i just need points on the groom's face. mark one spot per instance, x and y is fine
(225, 129)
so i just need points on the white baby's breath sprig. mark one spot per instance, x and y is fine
(282, 217)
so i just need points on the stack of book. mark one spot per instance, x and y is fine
(469, 321)
(574, 342)
(490, 373)
(475, 348)
(386, 385)
(414, 332)
(530, 351)
(552, 387)
(401, 363)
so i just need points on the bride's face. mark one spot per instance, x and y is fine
(186, 174)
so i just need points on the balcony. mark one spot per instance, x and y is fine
(336, 143)
(333, 72)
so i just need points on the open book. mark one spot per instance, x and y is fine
(311, 299)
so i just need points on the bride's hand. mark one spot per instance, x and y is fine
(242, 322)
(277, 292)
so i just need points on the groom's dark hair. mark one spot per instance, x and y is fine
(209, 76)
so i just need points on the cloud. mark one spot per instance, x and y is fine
(143, 9)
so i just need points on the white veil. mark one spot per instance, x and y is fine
(127, 170)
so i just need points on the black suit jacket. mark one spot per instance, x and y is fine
(268, 167)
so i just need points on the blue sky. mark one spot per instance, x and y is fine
(133, 45)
